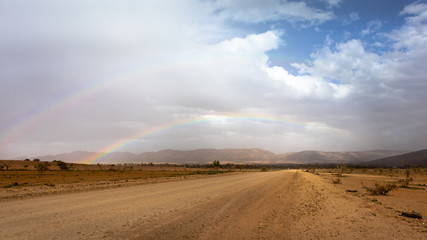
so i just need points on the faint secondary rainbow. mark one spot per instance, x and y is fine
(189, 122)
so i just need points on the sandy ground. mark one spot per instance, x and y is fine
(271, 205)
(7, 194)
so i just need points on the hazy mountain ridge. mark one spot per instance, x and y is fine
(417, 158)
(238, 156)
(310, 157)
(209, 155)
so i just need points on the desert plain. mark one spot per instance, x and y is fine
(156, 202)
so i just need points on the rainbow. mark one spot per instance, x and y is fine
(40, 114)
(189, 122)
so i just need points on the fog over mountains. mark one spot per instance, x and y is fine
(237, 156)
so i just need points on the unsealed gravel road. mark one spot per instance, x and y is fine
(272, 205)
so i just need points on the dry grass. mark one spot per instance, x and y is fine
(51, 178)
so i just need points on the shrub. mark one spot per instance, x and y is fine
(379, 171)
(62, 165)
(336, 181)
(4, 165)
(380, 189)
(263, 169)
(14, 184)
(42, 166)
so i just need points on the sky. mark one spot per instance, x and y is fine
(281, 75)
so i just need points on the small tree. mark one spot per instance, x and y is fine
(36, 160)
(340, 170)
(42, 166)
(62, 165)
(216, 164)
(405, 182)
(240, 166)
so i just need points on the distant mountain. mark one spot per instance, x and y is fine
(82, 156)
(78, 156)
(209, 155)
(238, 156)
(417, 158)
(311, 157)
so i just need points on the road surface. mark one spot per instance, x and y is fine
(271, 205)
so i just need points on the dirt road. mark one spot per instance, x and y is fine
(272, 205)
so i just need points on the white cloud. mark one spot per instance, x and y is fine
(255, 11)
(252, 44)
(413, 34)
(384, 90)
(373, 26)
(351, 18)
(306, 86)
(348, 62)
(333, 3)
(414, 9)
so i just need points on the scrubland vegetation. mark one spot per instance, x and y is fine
(26, 173)
(40, 173)
(403, 190)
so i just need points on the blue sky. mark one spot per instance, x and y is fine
(330, 75)
(350, 19)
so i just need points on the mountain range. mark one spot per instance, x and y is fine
(417, 158)
(253, 156)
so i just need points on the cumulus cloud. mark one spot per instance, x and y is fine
(386, 89)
